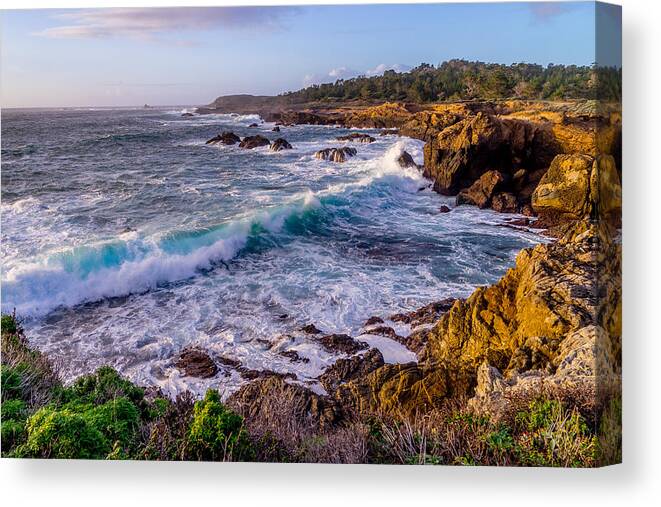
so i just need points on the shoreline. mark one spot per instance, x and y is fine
(507, 338)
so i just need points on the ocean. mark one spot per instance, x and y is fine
(125, 238)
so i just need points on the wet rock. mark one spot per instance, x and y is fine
(444, 209)
(194, 362)
(251, 142)
(406, 160)
(386, 331)
(250, 374)
(187, 114)
(372, 321)
(228, 361)
(310, 329)
(428, 314)
(336, 154)
(341, 344)
(346, 369)
(357, 137)
(253, 125)
(293, 356)
(280, 144)
(389, 132)
(227, 138)
(275, 129)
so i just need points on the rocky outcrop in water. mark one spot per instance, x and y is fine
(251, 142)
(227, 138)
(336, 154)
(405, 160)
(358, 137)
(280, 144)
(194, 362)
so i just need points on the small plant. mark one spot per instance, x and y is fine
(217, 433)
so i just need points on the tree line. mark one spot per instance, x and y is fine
(464, 80)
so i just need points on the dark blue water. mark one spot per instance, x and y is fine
(126, 238)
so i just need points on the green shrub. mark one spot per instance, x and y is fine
(62, 434)
(103, 385)
(216, 433)
(13, 409)
(9, 324)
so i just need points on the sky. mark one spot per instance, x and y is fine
(189, 56)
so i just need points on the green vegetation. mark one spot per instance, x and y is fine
(462, 80)
(105, 416)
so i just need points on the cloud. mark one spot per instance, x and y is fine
(544, 12)
(148, 23)
(347, 73)
(381, 68)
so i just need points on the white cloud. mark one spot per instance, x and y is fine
(381, 68)
(145, 23)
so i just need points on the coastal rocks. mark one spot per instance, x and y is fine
(577, 186)
(346, 369)
(253, 125)
(293, 356)
(280, 144)
(275, 129)
(336, 154)
(227, 138)
(481, 192)
(444, 209)
(341, 344)
(251, 142)
(357, 137)
(187, 115)
(269, 393)
(428, 314)
(310, 329)
(194, 362)
(405, 160)
(504, 202)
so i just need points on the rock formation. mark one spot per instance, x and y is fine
(335, 154)
(280, 144)
(358, 137)
(254, 142)
(225, 138)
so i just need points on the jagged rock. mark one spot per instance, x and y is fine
(341, 344)
(577, 186)
(187, 114)
(254, 142)
(350, 368)
(481, 192)
(389, 132)
(372, 321)
(194, 362)
(386, 331)
(428, 314)
(251, 399)
(358, 137)
(406, 160)
(310, 329)
(444, 209)
(275, 129)
(336, 154)
(504, 202)
(225, 138)
(250, 374)
(253, 125)
(280, 144)
(293, 356)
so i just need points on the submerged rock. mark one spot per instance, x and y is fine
(444, 209)
(187, 114)
(253, 125)
(336, 154)
(225, 138)
(275, 129)
(280, 144)
(254, 142)
(194, 362)
(310, 329)
(357, 137)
